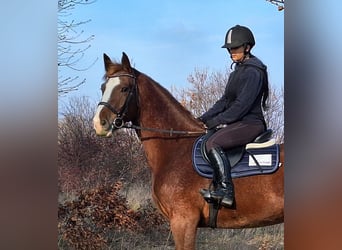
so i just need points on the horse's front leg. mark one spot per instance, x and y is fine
(184, 229)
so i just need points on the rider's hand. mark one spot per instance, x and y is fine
(211, 124)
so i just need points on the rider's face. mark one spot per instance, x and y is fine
(237, 54)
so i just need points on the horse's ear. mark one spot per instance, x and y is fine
(107, 61)
(125, 62)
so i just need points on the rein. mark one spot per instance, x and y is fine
(163, 131)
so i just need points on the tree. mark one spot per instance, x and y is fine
(86, 160)
(207, 88)
(204, 91)
(71, 46)
(279, 3)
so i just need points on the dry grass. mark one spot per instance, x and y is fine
(270, 237)
(138, 195)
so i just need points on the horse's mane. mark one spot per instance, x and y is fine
(156, 87)
(116, 67)
(167, 95)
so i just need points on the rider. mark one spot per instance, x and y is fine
(237, 117)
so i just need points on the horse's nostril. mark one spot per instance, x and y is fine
(103, 122)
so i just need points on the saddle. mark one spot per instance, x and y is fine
(261, 156)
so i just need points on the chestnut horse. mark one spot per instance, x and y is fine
(131, 96)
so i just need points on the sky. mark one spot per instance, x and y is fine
(168, 40)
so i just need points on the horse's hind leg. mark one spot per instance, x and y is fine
(184, 232)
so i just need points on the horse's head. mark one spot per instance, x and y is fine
(119, 97)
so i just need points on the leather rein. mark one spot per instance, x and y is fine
(119, 122)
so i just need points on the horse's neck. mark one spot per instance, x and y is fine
(159, 110)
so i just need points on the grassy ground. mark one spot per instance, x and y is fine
(271, 237)
(155, 233)
(217, 239)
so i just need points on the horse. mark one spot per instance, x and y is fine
(168, 131)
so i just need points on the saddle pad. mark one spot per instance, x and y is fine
(268, 159)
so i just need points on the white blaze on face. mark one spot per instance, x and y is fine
(110, 85)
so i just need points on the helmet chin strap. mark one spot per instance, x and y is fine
(245, 55)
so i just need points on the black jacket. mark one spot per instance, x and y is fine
(242, 97)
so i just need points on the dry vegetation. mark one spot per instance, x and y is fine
(104, 188)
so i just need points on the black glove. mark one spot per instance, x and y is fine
(200, 118)
(211, 124)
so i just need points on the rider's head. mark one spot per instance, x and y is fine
(239, 41)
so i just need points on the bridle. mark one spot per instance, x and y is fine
(118, 121)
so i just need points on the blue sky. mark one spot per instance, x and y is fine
(168, 39)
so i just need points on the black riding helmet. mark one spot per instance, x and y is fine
(238, 36)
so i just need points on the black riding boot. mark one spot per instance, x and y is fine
(222, 176)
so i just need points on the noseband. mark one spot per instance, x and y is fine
(118, 121)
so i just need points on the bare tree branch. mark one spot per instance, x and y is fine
(72, 45)
(279, 3)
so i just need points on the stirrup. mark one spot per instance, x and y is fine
(226, 199)
(206, 195)
(218, 194)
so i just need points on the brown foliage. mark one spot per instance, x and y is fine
(89, 221)
(91, 171)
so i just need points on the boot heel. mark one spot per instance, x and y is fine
(227, 201)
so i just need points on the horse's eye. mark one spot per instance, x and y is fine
(124, 89)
